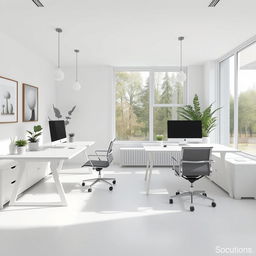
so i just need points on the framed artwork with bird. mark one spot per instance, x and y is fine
(8, 100)
(30, 103)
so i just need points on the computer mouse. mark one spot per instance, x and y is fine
(165, 146)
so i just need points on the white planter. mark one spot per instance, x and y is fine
(206, 140)
(12, 149)
(33, 146)
(21, 150)
(71, 139)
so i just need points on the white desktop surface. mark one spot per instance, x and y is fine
(218, 148)
(150, 150)
(47, 153)
(63, 151)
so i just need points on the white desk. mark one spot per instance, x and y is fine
(56, 155)
(150, 150)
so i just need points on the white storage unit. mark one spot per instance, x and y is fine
(8, 174)
(239, 176)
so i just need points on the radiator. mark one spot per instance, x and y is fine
(138, 157)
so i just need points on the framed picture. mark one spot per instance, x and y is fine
(30, 103)
(8, 100)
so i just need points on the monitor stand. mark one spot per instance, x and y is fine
(183, 142)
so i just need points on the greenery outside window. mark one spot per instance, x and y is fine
(144, 101)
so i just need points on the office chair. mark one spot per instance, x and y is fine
(99, 164)
(194, 165)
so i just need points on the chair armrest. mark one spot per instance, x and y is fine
(96, 156)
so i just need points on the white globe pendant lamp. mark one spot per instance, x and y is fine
(76, 85)
(181, 76)
(59, 74)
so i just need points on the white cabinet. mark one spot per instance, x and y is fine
(8, 174)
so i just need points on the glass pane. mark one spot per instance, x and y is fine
(227, 87)
(167, 91)
(132, 105)
(247, 100)
(161, 116)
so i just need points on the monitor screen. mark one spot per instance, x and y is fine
(57, 130)
(179, 129)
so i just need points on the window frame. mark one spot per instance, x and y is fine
(235, 52)
(152, 103)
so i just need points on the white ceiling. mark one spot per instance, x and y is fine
(130, 32)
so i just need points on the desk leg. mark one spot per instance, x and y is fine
(150, 170)
(14, 195)
(228, 176)
(147, 167)
(59, 186)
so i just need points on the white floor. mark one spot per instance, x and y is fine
(126, 221)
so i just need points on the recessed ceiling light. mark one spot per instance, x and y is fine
(38, 3)
(213, 3)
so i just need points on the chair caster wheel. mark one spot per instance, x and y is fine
(213, 204)
(89, 190)
(114, 182)
(192, 208)
(83, 184)
(170, 201)
(110, 188)
(177, 193)
(204, 194)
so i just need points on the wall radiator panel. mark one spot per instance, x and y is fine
(138, 157)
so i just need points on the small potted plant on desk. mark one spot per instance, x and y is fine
(33, 138)
(160, 137)
(21, 146)
(71, 137)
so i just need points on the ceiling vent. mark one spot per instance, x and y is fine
(38, 3)
(213, 3)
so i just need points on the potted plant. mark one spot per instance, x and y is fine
(160, 138)
(206, 116)
(71, 137)
(21, 146)
(33, 138)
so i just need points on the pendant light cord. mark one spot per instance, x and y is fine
(76, 66)
(58, 49)
(180, 55)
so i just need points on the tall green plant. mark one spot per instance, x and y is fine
(206, 116)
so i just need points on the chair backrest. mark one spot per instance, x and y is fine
(202, 155)
(110, 151)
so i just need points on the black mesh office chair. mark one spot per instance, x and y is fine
(104, 159)
(195, 164)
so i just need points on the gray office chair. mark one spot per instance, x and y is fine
(104, 159)
(195, 163)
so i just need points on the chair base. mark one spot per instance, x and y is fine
(197, 193)
(100, 179)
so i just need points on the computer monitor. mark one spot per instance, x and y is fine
(58, 131)
(184, 129)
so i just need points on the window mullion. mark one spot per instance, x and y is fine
(236, 102)
(151, 103)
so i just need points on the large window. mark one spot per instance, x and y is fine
(238, 79)
(144, 101)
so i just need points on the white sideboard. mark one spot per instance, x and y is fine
(238, 177)
(8, 175)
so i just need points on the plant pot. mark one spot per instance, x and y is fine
(12, 149)
(71, 139)
(33, 146)
(21, 150)
(206, 140)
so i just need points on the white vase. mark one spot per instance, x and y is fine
(33, 146)
(206, 140)
(71, 139)
(21, 150)
(12, 149)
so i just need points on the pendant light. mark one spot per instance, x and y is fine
(181, 76)
(59, 74)
(77, 85)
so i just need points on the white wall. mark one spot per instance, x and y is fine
(19, 63)
(93, 117)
